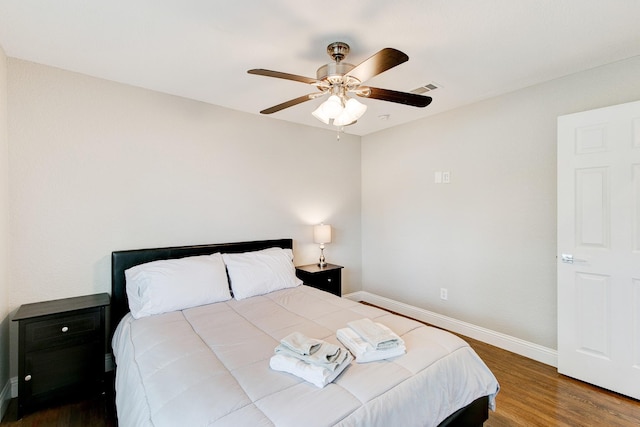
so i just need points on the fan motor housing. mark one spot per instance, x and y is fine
(334, 71)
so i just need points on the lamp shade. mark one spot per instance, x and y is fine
(355, 108)
(333, 106)
(322, 233)
(319, 114)
(344, 119)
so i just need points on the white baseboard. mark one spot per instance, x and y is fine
(5, 396)
(524, 348)
(14, 387)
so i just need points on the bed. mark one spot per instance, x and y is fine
(208, 364)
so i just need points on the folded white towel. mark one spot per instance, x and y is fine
(301, 344)
(363, 351)
(314, 374)
(380, 338)
(327, 355)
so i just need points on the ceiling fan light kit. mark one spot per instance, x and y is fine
(337, 79)
(341, 109)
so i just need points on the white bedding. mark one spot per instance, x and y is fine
(209, 366)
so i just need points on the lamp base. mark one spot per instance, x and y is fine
(321, 261)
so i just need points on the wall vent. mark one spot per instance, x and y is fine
(426, 88)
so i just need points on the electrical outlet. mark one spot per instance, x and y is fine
(444, 294)
(446, 177)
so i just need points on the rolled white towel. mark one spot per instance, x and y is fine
(380, 338)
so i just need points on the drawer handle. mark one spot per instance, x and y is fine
(27, 378)
(329, 279)
(65, 328)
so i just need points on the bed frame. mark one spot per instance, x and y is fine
(472, 415)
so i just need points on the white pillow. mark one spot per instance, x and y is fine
(261, 272)
(175, 284)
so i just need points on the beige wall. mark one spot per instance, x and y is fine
(98, 166)
(489, 236)
(4, 238)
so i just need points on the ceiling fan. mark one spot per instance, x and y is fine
(338, 79)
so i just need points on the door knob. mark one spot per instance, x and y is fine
(569, 259)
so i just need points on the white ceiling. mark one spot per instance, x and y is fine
(201, 49)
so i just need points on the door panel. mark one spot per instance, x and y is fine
(592, 207)
(636, 206)
(599, 247)
(636, 323)
(594, 321)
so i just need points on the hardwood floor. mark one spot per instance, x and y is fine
(534, 394)
(96, 411)
(531, 394)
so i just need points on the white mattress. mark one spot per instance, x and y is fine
(209, 366)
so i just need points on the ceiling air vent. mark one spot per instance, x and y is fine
(424, 89)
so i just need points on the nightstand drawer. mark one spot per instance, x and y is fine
(73, 328)
(330, 282)
(328, 278)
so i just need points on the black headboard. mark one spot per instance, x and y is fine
(123, 260)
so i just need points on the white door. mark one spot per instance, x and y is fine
(599, 247)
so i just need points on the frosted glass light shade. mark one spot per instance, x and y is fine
(319, 114)
(355, 108)
(333, 106)
(322, 233)
(329, 109)
(344, 119)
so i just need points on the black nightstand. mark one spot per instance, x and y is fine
(328, 278)
(61, 349)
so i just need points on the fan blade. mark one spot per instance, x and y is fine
(378, 63)
(291, 103)
(286, 76)
(394, 96)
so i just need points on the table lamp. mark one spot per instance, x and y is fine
(322, 235)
